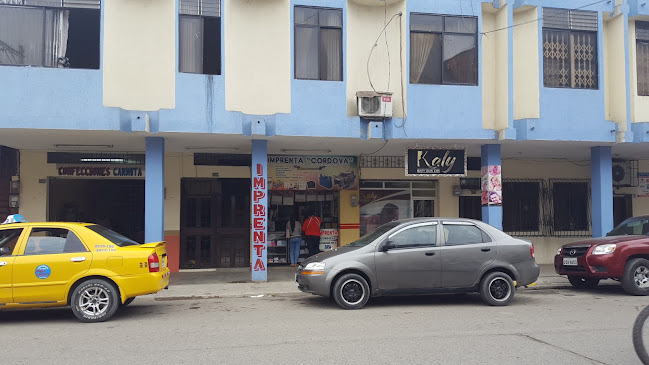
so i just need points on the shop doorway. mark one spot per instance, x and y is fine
(470, 207)
(215, 223)
(116, 204)
(622, 208)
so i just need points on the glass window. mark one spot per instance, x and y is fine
(199, 37)
(570, 206)
(632, 226)
(44, 241)
(443, 49)
(112, 236)
(50, 34)
(419, 236)
(318, 43)
(462, 234)
(8, 240)
(570, 49)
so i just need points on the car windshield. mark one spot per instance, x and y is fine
(368, 238)
(112, 236)
(631, 226)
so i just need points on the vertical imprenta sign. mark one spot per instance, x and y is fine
(258, 211)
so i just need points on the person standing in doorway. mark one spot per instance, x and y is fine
(294, 237)
(311, 228)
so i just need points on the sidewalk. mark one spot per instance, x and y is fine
(235, 282)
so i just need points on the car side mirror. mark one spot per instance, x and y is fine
(4, 251)
(386, 246)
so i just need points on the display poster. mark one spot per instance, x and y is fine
(643, 185)
(313, 172)
(382, 206)
(435, 162)
(328, 239)
(492, 190)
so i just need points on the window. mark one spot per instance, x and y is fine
(463, 234)
(318, 43)
(521, 211)
(570, 48)
(418, 236)
(199, 36)
(570, 205)
(112, 236)
(443, 49)
(62, 33)
(8, 240)
(642, 56)
(43, 241)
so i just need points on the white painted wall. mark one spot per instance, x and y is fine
(614, 72)
(257, 40)
(364, 24)
(488, 70)
(526, 64)
(139, 54)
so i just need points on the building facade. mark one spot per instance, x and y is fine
(210, 123)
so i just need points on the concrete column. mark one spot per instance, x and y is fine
(259, 210)
(154, 187)
(491, 214)
(601, 190)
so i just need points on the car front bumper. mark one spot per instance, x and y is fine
(314, 284)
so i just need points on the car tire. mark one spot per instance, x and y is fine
(94, 300)
(128, 301)
(351, 291)
(497, 288)
(635, 279)
(583, 283)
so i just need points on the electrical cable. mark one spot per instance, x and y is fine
(367, 67)
(384, 144)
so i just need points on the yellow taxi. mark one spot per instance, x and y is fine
(85, 266)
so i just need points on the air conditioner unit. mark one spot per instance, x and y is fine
(625, 173)
(374, 105)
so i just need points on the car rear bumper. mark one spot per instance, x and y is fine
(528, 272)
(142, 284)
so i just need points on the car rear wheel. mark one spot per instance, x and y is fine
(583, 283)
(351, 291)
(635, 280)
(497, 288)
(94, 300)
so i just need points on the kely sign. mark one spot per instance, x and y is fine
(435, 162)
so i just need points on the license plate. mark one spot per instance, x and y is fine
(570, 261)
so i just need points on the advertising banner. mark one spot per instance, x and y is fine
(492, 190)
(435, 162)
(643, 185)
(313, 172)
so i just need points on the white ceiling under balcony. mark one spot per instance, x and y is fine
(376, 2)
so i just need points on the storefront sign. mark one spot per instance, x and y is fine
(435, 162)
(643, 185)
(492, 191)
(259, 231)
(313, 172)
(101, 171)
(328, 239)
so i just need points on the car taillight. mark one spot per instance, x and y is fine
(532, 251)
(154, 263)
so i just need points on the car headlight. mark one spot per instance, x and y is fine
(604, 249)
(315, 266)
(559, 251)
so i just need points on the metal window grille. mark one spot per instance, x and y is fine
(570, 203)
(525, 207)
(200, 7)
(78, 4)
(382, 161)
(642, 56)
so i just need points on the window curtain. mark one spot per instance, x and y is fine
(331, 54)
(190, 44)
(460, 54)
(420, 46)
(642, 61)
(56, 37)
(306, 53)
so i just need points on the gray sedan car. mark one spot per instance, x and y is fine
(422, 256)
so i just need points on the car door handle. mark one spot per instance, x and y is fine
(3, 263)
(430, 253)
(485, 249)
(78, 259)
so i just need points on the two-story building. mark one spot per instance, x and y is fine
(209, 123)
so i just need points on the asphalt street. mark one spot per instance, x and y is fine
(550, 326)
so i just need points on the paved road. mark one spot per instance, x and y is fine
(557, 326)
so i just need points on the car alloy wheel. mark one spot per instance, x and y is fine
(499, 289)
(352, 291)
(641, 277)
(94, 300)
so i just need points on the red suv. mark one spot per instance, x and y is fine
(622, 255)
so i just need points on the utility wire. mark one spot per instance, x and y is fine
(369, 78)
(539, 19)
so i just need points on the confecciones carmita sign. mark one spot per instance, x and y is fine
(435, 162)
